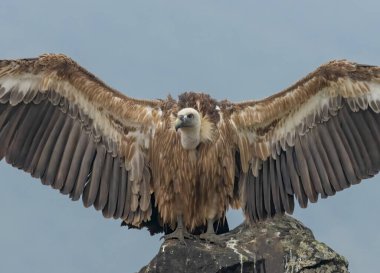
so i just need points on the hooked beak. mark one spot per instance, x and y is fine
(179, 122)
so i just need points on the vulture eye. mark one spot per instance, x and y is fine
(190, 115)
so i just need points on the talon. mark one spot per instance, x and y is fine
(210, 237)
(179, 234)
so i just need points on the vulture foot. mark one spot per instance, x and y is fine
(179, 234)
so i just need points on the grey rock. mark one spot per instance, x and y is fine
(281, 244)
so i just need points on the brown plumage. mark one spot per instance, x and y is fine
(187, 161)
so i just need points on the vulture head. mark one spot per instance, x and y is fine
(189, 122)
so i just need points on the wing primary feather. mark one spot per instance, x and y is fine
(46, 153)
(296, 183)
(266, 188)
(5, 97)
(6, 136)
(285, 175)
(56, 156)
(343, 155)
(374, 127)
(274, 186)
(368, 140)
(304, 171)
(244, 196)
(31, 150)
(21, 135)
(331, 183)
(123, 203)
(350, 128)
(309, 154)
(110, 208)
(67, 156)
(259, 196)
(252, 197)
(6, 114)
(3, 108)
(331, 152)
(101, 199)
(26, 146)
(2, 91)
(91, 189)
(76, 163)
(372, 124)
(251, 210)
(319, 165)
(355, 147)
(128, 199)
(41, 144)
(350, 150)
(287, 201)
(84, 173)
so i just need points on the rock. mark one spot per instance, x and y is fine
(281, 244)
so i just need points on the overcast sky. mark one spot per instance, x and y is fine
(237, 50)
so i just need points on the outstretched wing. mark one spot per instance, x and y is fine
(63, 125)
(317, 137)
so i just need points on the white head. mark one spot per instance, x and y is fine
(189, 123)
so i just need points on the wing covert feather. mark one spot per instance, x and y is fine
(322, 133)
(63, 125)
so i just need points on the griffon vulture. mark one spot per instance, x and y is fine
(184, 162)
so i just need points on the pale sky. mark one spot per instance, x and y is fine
(237, 50)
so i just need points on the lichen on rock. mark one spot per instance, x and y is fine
(280, 244)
